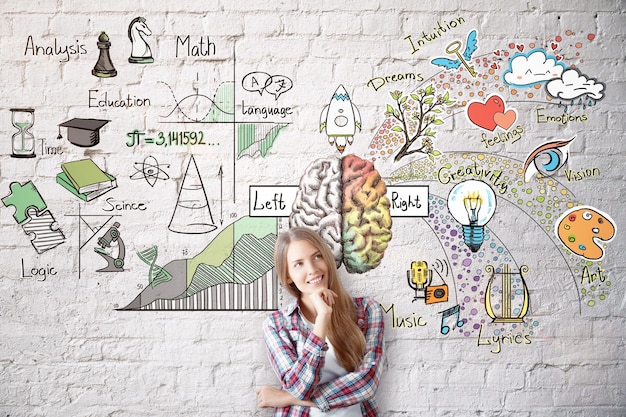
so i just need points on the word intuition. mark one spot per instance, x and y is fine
(436, 33)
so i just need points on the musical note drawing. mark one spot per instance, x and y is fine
(453, 311)
(471, 45)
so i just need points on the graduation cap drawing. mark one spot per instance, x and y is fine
(83, 132)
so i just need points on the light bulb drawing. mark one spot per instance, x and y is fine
(472, 203)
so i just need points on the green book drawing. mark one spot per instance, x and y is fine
(86, 176)
(65, 182)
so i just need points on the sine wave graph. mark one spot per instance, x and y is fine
(201, 108)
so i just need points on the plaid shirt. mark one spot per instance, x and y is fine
(297, 356)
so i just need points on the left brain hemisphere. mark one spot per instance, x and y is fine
(366, 216)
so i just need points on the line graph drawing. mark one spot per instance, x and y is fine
(235, 271)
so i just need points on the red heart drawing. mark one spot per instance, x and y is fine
(558, 57)
(505, 120)
(482, 115)
(497, 53)
(554, 46)
(494, 66)
(520, 47)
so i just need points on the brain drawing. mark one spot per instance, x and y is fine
(344, 200)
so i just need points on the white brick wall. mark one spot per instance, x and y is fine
(66, 351)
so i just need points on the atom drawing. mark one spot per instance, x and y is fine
(150, 170)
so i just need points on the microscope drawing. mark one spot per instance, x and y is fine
(112, 235)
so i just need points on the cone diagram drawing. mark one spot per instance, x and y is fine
(192, 214)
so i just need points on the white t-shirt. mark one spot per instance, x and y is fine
(333, 369)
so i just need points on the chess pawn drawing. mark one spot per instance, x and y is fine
(104, 67)
(140, 53)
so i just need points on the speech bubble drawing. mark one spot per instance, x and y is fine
(279, 84)
(256, 81)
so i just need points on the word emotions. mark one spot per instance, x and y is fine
(491, 114)
(182, 138)
(497, 340)
(581, 229)
(403, 321)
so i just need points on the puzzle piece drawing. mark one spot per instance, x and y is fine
(22, 197)
(40, 225)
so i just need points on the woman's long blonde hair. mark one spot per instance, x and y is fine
(344, 333)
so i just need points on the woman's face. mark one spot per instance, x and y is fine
(306, 267)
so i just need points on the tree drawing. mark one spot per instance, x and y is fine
(422, 110)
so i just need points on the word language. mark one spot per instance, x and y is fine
(378, 82)
(181, 138)
(498, 340)
(65, 51)
(265, 111)
(403, 321)
(204, 46)
(512, 135)
(102, 100)
(438, 30)
(39, 273)
(444, 176)
(561, 119)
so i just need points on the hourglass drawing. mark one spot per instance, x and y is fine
(23, 142)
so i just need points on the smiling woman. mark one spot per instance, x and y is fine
(326, 346)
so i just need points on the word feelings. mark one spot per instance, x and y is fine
(181, 138)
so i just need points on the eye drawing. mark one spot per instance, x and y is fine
(547, 158)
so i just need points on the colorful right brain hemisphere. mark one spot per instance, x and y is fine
(345, 200)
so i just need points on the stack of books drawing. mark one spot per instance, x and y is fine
(85, 179)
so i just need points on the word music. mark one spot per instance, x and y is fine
(409, 321)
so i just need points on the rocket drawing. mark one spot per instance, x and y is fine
(340, 118)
